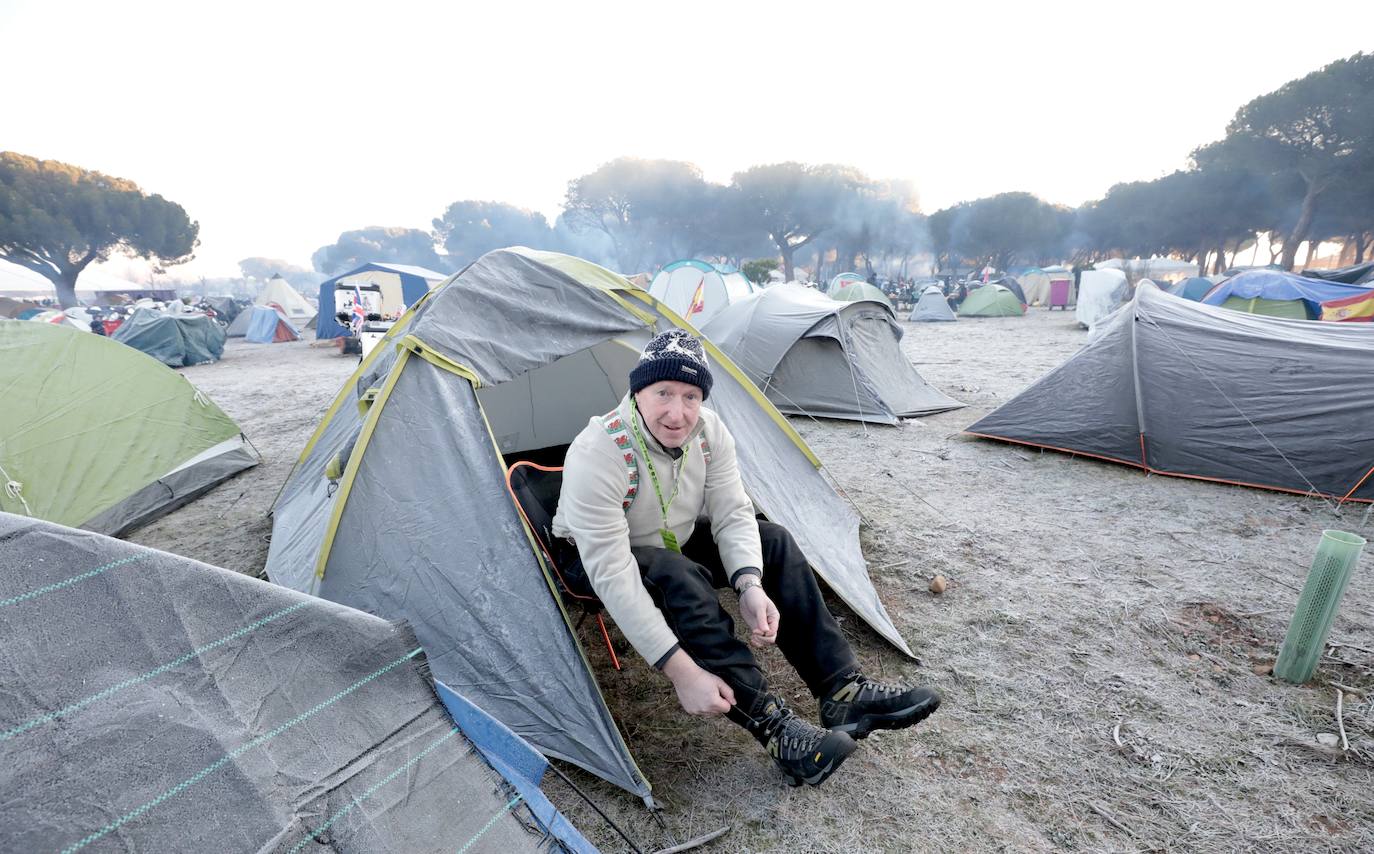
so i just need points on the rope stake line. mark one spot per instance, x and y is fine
(314, 834)
(15, 490)
(1238, 410)
(76, 579)
(490, 824)
(232, 755)
(66, 711)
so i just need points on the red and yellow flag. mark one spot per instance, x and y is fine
(698, 299)
(1359, 308)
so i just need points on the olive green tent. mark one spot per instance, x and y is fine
(991, 301)
(97, 435)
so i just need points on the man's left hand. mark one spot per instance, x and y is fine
(761, 615)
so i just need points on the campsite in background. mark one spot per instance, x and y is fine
(1055, 370)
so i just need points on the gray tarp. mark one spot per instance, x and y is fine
(932, 307)
(429, 534)
(1183, 388)
(153, 703)
(175, 340)
(813, 355)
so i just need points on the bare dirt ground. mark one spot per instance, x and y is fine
(1097, 647)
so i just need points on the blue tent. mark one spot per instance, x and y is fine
(1275, 287)
(1194, 288)
(415, 283)
(267, 326)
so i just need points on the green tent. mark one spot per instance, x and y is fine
(1294, 309)
(991, 301)
(176, 340)
(97, 435)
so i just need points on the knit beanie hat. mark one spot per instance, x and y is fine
(672, 355)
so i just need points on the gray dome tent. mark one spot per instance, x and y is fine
(1190, 390)
(932, 307)
(814, 355)
(399, 504)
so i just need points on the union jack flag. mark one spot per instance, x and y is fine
(359, 310)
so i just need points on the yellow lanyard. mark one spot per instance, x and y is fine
(669, 538)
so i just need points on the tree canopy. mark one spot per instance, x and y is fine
(56, 219)
(470, 229)
(378, 244)
(1309, 135)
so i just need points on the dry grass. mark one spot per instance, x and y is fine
(1096, 648)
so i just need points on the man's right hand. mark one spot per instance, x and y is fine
(699, 692)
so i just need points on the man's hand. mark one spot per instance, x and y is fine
(699, 692)
(761, 615)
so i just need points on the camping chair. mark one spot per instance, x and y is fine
(535, 489)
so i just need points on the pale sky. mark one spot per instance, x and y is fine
(280, 124)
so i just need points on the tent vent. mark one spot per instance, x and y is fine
(1336, 557)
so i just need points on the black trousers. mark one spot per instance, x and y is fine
(683, 586)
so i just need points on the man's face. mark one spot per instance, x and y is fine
(670, 410)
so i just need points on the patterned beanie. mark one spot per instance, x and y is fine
(672, 355)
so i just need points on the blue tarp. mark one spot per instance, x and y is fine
(514, 758)
(262, 326)
(1278, 285)
(415, 283)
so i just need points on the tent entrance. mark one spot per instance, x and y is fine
(547, 407)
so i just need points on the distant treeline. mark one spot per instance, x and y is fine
(1297, 163)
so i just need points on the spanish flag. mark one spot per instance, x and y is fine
(1357, 309)
(698, 299)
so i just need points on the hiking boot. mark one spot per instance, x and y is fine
(804, 752)
(860, 705)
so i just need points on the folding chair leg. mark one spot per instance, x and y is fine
(606, 636)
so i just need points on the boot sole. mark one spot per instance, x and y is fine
(892, 720)
(841, 754)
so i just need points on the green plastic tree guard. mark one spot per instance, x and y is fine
(1337, 554)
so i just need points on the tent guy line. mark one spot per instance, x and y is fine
(1167, 337)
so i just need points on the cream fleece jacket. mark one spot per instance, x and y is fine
(595, 480)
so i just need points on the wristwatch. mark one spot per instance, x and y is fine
(745, 583)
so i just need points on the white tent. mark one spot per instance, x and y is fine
(1157, 269)
(288, 299)
(1035, 283)
(697, 290)
(1100, 292)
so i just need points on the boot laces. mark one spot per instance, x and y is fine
(868, 688)
(795, 733)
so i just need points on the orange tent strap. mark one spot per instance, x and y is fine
(1303, 492)
(1357, 486)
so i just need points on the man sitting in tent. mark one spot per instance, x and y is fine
(656, 563)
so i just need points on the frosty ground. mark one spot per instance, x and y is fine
(1101, 647)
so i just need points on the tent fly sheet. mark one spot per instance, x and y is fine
(813, 355)
(1179, 388)
(153, 703)
(137, 439)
